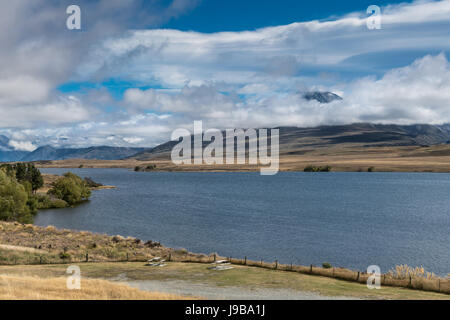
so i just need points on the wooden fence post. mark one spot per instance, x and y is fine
(245, 261)
(215, 257)
(310, 269)
(40, 259)
(357, 277)
(276, 264)
(170, 256)
(87, 257)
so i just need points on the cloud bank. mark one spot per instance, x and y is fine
(168, 78)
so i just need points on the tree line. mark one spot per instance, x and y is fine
(19, 199)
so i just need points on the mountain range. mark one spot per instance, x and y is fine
(295, 140)
(8, 154)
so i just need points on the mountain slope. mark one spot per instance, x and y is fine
(7, 153)
(295, 140)
(100, 153)
(322, 97)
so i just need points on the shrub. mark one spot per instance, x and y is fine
(371, 169)
(327, 265)
(137, 168)
(91, 183)
(71, 188)
(64, 255)
(317, 169)
(151, 167)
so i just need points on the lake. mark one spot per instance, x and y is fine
(351, 220)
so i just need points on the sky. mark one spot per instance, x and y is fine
(137, 70)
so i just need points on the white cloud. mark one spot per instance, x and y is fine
(176, 58)
(419, 93)
(22, 145)
(228, 79)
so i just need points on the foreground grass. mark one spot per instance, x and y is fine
(239, 277)
(34, 288)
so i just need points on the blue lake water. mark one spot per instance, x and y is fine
(348, 219)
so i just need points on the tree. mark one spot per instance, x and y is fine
(71, 189)
(21, 172)
(36, 179)
(13, 200)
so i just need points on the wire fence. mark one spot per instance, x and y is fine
(433, 284)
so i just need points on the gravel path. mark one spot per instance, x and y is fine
(211, 292)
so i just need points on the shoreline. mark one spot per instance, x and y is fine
(59, 246)
(340, 159)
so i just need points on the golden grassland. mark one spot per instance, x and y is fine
(19, 287)
(340, 158)
(245, 277)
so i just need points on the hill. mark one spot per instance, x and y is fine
(297, 141)
(100, 153)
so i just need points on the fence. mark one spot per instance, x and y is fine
(439, 285)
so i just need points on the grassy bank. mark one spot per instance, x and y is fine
(240, 277)
(52, 245)
(28, 244)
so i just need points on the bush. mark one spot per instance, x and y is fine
(64, 255)
(317, 169)
(327, 265)
(91, 183)
(45, 202)
(71, 188)
(371, 169)
(151, 167)
(137, 168)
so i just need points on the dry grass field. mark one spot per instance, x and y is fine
(16, 287)
(340, 158)
(193, 275)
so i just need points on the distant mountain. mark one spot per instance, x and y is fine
(295, 140)
(11, 156)
(7, 153)
(99, 153)
(322, 97)
(4, 142)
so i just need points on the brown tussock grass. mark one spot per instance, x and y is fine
(34, 288)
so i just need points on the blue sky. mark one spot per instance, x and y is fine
(140, 69)
(239, 15)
